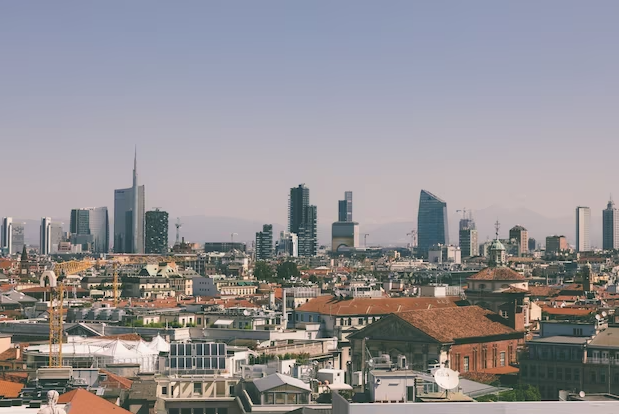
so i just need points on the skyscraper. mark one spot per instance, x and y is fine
(45, 239)
(521, 235)
(469, 247)
(90, 227)
(432, 219)
(583, 225)
(610, 227)
(18, 237)
(345, 207)
(7, 235)
(302, 220)
(264, 243)
(56, 232)
(156, 232)
(129, 210)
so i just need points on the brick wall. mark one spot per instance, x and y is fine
(483, 356)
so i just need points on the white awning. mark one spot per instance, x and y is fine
(224, 322)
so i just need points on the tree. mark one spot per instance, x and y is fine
(262, 271)
(286, 270)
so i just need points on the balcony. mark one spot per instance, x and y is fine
(603, 361)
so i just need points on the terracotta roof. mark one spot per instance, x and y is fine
(545, 291)
(568, 311)
(450, 324)
(508, 369)
(116, 381)
(83, 401)
(330, 305)
(41, 289)
(10, 389)
(497, 273)
(6, 287)
(9, 355)
(513, 289)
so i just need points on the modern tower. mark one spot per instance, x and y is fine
(583, 225)
(303, 220)
(90, 227)
(264, 243)
(45, 240)
(432, 222)
(7, 235)
(521, 235)
(610, 227)
(156, 232)
(129, 222)
(469, 246)
(345, 207)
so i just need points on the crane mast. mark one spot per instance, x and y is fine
(55, 324)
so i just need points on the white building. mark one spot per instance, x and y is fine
(583, 226)
(45, 241)
(444, 254)
(7, 235)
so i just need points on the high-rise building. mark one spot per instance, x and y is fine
(532, 244)
(264, 243)
(521, 235)
(556, 245)
(18, 237)
(303, 220)
(45, 239)
(288, 244)
(90, 228)
(56, 236)
(345, 207)
(432, 227)
(156, 232)
(129, 213)
(583, 226)
(469, 246)
(610, 227)
(7, 235)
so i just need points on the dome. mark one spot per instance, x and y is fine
(496, 245)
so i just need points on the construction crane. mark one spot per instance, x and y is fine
(115, 284)
(55, 311)
(413, 235)
(178, 226)
(365, 239)
(463, 211)
(74, 266)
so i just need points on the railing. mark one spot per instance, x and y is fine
(603, 361)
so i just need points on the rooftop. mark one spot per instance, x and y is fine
(331, 305)
(566, 340)
(497, 273)
(82, 401)
(607, 338)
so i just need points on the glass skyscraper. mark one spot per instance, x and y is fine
(610, 227)
(264, 243)
(90, 227)
(432, 226)
(302, 220)
(129, 221)
(345, 207)
(156, 232)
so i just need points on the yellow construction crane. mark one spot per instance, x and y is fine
(56, 315)
(74, 266)
(115, 285)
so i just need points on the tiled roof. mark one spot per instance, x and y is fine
(544, 291)
(330, 305)
(9, 355)
(41, 289)
(10, 389)
(450, 324)
(83, 401)
(568, 311)
(513, 289)
(497, 273)
(116, 381)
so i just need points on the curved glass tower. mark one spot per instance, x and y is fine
(431, 222)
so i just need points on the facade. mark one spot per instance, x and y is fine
(303, 220)
(521, 235)
(469, 245)
(57, 236)
(18, 237)
(129, 221)
(610, 227)
(6, 242)
(445, 254)
(583, 227)
(288, 245)
(344, 234)
(156, 232)
(532, 244)
(432, 222)
(264, 243)
(224, 247)
(45, 236)
(90, 227)
(345, 207)
(556, 245)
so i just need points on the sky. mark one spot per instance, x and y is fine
(231, 103)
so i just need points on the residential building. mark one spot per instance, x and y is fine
(521, 235)
(90, 227)
(556, 245)
(182, 284)
(6, 242)
(288, 245)
(156, 232)
(129, 213)
(156, 287)
(469, 245)
(444, 254)
(432, 222)
(610, 227)
(345, 207)
(197, 394)
(466, 339)
(264, 243)
(303, 220)
(583, 227)
(219, 285)
(45, 239)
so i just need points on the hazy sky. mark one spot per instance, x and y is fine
(231, 103)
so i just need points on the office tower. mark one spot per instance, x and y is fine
(556, 245)
(90, 228)
(532, 244)
(288, 244)
(156, 232)
(302, 220)
(7, 235)
(583, 225)
(521, 235)
(18, 237)
(129, 212)
(345, 207)
(56, 237)
(264, 243)
(432, 225)
(45, 240)
(610, 227)
(469, 247)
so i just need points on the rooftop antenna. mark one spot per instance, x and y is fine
(497, 226)
(178, 226)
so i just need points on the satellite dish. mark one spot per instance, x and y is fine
(446, 378)
(604, 314)
(581, 394)
(246, 312)
(598, 317)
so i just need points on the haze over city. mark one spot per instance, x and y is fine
(484, 103)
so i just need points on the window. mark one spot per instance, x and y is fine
(231, 390)
(172, 390)
(360, 321)
(551, 373)
(482, 286)
(502, 359)
(457, 362)
(592, 377)
(494, 361)
(533, 371)
(577, 331)
(222, 410)
(174, 411)
(484, 358)
(197, 388)
(603, 376)
(616, 378)
(576, 374)
(524, 370)
(164, 390)
(466, 364)
(559, 373)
